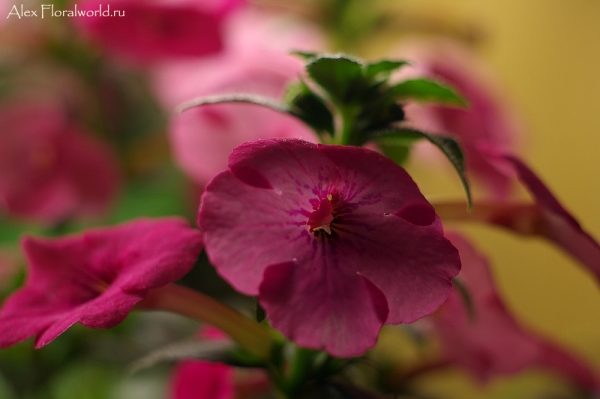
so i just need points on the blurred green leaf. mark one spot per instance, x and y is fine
(383, 68)
(426, 90)
(158, 194)
(84, 380)
(214, 351)
(234, 98)
(465, 295)
(305, 55)
(6, 391)
(310, 108)
(337, 74)
(448, 145)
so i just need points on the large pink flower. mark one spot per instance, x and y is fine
(144, 30)
(95, 278)
(255, 60)
(492, 342)
(335, 241)
(485, 128)
(50, 170)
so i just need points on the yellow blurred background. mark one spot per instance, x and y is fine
(546, 54)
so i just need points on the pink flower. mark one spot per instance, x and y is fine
(195, 379)
(335, 241)
(485, 128)
(49, 169)
(198, 379)
(554, 221)
(546, 217)
(145, 30)
(492, 342)
(95, 278)
(255, 60)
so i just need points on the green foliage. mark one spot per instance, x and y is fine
(340, 76)
(449, 147)
(87, 379)
(349, 102)
(213, 351)
(310, 108)
(466, 297)
(383, 69)
(426, 90)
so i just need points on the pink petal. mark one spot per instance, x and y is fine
(276, 214)
(95, 278)
(493, 342)
(348, 309)
(557, 223)
(148, 31)
(202, 380)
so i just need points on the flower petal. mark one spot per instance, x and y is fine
(493, 342)
(342, 315)
(95, 278)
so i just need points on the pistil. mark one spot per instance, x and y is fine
(321, 218)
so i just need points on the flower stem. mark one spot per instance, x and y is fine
(252, 336)
(522, 218)
(348, 116)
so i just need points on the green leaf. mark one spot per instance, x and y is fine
(338, 75)
(397, 148)
(465, 295)
(89, 380)
(383, 68)
(310, 108)
(260, 312)
(216, 351)
(305, 55)
(447, 145)
(426, 90)
(398, 154)
(234, 98)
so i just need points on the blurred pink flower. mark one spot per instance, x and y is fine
(50, 170)
(5, 9)
(153, 30)
(199, 379)
(335, 241)
(485, 129)
(545, 217)
(95, 278)
(492, 342)
(255, 60)
(194, 379)
(554, 221)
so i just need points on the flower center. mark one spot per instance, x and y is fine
(321, 218)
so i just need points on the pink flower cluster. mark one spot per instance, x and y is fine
(154, 30)
(252, 62)
(50, 168)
